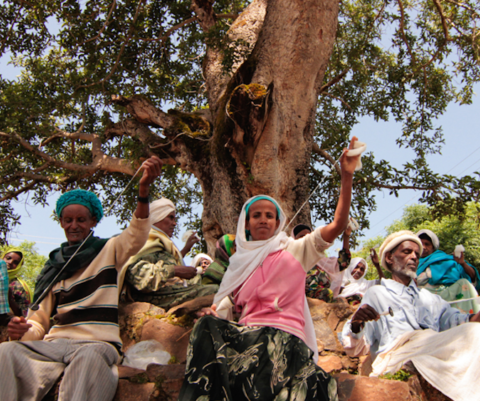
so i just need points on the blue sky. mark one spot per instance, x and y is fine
(460, 156)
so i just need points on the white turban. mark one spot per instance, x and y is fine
(432, 236)
(396, 239)
(160, 209)
(196, 260)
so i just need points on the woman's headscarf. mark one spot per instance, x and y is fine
(352, 286)
(13, 273)
(433, 237)
(160, 209)
(250, 254)
(225, 248)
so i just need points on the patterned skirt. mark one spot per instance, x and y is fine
(227, 361)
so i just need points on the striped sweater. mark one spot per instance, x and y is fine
(85, 306)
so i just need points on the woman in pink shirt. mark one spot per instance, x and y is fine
(271, 352)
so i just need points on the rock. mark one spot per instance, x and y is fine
(174, 338)
(126, 372)
(168, 379)
(132, 317)
(365, 365)
(127, 391)
(350, 364)
(360, 388)
(330, 363)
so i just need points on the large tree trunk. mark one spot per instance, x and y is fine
(262, 115)
(271, 107)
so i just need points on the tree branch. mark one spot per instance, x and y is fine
(335, 80)
(337, 98)
(326, 155)
(442, 16)
(143, 111)
(101, 161)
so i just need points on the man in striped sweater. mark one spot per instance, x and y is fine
(84, 340)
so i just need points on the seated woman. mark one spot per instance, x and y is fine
(446, 275)
(325, 279)
(225, 249)
(157, 273)
(270, 353)
(201, 262)
(20, 294)
(354, 284)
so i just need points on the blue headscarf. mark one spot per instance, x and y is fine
(80, 197)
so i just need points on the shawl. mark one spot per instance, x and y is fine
(155, 238)
(160, 209)
(352, 286)
(13, 273)
(445, 270)
(60, 256)
(250, 255)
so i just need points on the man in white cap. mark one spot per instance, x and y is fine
(157, 273)
(439, 340)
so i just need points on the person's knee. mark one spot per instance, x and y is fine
(92, 354)
(7, 349)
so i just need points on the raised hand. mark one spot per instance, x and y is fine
(349, 163)
(152, 169)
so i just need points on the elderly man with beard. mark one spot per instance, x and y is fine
(439, 340)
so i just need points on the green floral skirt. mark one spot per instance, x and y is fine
(227, 361)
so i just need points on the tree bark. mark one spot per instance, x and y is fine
(262, 114)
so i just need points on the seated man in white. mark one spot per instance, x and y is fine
(439, 340)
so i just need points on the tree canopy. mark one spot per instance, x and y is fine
(237, 97)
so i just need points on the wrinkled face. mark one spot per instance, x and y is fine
(427, 247)
(404, 260)
(302, 234)
(205, 263)
(12, 260)
(358, 271)
(77, 221)
(168, 224)
(262, 221)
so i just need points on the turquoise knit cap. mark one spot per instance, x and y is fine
(80, 197)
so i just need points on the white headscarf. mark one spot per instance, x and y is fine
(433, 237)
(249, 255)
(395, 239)
(200, 256)
(352, 286)
(160, 209)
